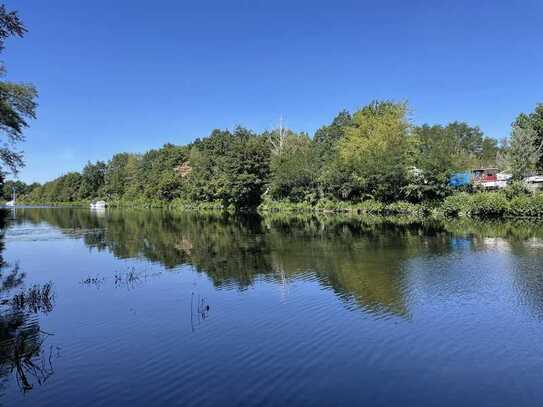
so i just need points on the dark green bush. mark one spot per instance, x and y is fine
(515, 189)
(403, 208)
(488, 205)
(526, 206)
(457, 204)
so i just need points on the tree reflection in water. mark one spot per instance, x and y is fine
(22, 342)
(364, 260)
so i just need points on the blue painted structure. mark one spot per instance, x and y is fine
(460, 179)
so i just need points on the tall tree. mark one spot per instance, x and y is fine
(294, 169)
(92, 180)
(533, 121)
(523, 153)
(17, 101)
(374, 148)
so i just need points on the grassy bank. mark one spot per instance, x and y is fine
(493, 205)
(481, 205)
(369, 207)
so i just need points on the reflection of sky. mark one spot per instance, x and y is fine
(310, 335)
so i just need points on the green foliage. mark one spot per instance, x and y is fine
(121, 173)
(232, 168)
(457, 204)
(375, 148)
(246, 170)
(423, 186)
(19, 187)
(523, 153)
(526, 206)
(373, 162)
(294, 169)
(327, 137)
(371, 207)
(488, 205)
(533, 122)
(17, 101)
(92, 180)
(515, 189)
(494, 205)
(403, 208)
(478, 205)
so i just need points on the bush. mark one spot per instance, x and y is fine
(515, 189)
(488, 205)
(371, 207)
(526, 206)
(403, 208)
(457, 204)
(494, 205)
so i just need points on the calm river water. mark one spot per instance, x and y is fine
(151, 308)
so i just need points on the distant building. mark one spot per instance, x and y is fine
(483, 175)
(460, 179)
(488, 178)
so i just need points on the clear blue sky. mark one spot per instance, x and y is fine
(130, 75)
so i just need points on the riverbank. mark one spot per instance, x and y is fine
(479, 205)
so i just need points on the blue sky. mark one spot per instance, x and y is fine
(130, 75)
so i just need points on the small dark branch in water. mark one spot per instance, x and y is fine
(131, 277)
(201, 309)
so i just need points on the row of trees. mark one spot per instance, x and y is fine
(374, 153)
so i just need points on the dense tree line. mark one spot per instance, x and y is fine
(373, 153)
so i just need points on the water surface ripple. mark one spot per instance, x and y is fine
(158, 308)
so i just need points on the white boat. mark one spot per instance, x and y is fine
(98, 205)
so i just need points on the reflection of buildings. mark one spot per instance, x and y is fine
(495, 243)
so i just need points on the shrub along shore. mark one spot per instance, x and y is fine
(478, 205)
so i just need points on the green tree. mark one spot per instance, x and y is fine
(434, 157)
(17, 101)
(533, 122)
(374, 149)
(92, 180)
(295, 169)
(523, 153)
(246, 169)
(115, 177)
(327, 137)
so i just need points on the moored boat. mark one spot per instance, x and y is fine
(98, 205)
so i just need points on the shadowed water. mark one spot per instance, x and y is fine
(156, 308)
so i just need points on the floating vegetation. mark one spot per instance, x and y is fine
(128, 278)
(93, 281)
(38, 298)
